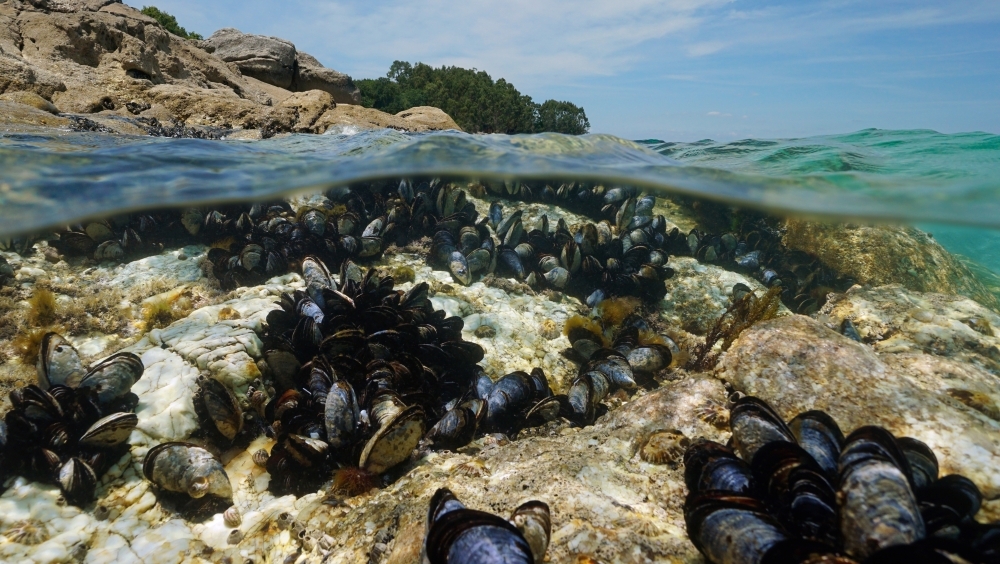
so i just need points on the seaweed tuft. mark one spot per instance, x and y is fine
(744, 311)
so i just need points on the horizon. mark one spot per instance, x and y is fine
(681, 70)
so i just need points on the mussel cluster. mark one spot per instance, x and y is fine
(593, 200)
(591, 264)
(457, 534)
(756, 249)
(361, 371)
(119, 237)
(75, 424)
(801, 492)
(605, 367)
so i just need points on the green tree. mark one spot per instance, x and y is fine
(564, 117)
(471, 98)
(169, 22)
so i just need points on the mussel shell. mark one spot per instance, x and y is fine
(754, 423)
(712, 466)
(114, 376)
(59, 363)
(110, 431)
(649, 358)
(820, 436)
(877, 508)
(585, 393)
(731, 529)
(341, 414)
(457, 535)
(186, 468)
(923, 462)
(458, 265)
(222, 407)
(455, 428)
(77, 481)
(394, 441)
(615, 367)
(533, 520)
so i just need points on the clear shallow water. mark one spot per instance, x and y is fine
(51, 178)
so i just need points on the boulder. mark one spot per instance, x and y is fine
(17, 116)
(430, 117)
(312, 75)
(308, 107)
(30, 99)
(269, 59)
(347, 116)
(796, 363)
(887, 254)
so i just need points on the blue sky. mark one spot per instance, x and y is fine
(677, 70)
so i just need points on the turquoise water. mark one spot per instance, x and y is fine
(943, 182)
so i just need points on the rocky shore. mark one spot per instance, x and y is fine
(99, 65)
(926, 366)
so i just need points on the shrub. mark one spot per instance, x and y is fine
(169, 23)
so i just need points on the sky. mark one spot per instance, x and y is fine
(676, 70)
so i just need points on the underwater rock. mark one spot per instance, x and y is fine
(797, 364)
(880, 254)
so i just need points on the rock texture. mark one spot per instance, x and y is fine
(796, 364)
(104, 58)
(882, 254)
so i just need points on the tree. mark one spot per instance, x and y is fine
(471, 98)
(564, 117)
(169, 22)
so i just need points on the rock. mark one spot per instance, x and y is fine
(30, 99)
(72, 5)
(796, 364)
(875, 255)
(430, 117)
(16, 74)
(16, 115)
(220, 108)
(268, 59)
(309, 107)
(312, 75)
(347, 116)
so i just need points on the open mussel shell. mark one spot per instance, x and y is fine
(456, 534)
(59, 363)
(394, 441)
(110, 431)
(754, 424)
(186, 468)
(113, 377)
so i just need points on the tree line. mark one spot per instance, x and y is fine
(476, 102)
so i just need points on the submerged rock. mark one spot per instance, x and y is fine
(795, 363)
(875, 255)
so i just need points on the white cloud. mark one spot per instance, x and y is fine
(719, 114)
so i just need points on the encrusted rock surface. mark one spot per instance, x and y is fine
(927, 368)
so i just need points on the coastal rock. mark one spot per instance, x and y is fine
(347, 116)
(795, 363)
(17, 75)
(308, 107)
(874, 255)
(17, 115)
(30, 99)
(430, 117)
(269, 59)
(312, 75)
